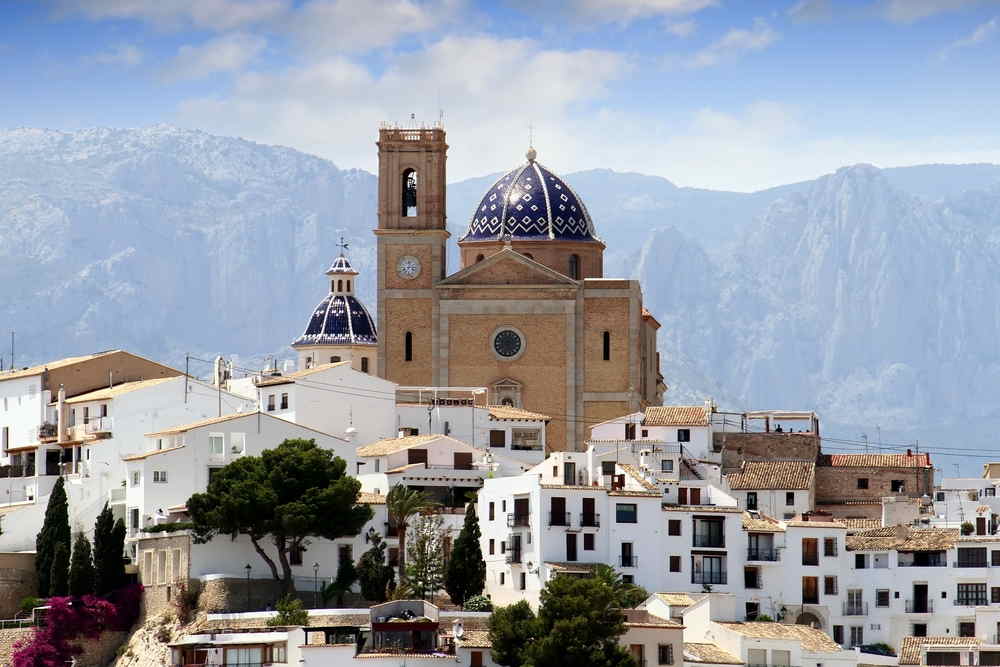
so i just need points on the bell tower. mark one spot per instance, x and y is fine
(411, 239)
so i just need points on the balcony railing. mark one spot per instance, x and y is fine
(22, 470)
(755, 582)
(939, 562)
(558, 518)
(970, 563)
(919, 606)
(513, 556)
(772, 555)
(592, 520)
(518, 520)
(709, 541)
(71, 468)
(628, 561)
(708, 577)
(99, 425)
(855, 609)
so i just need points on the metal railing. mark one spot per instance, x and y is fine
(518, 520)
(592, 520)
(513, 556)
(855, 609)
(709, 541)
(558, 518)
(628, 561)
(99, 425)
(20, 470)
(937, 562)
(970, 601)
(755, 581)
(708, 578)
(919, 606)
(970, 563)
(772, 555)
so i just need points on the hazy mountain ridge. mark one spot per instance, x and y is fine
(870, 295)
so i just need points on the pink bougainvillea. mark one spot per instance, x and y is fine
(69, 619)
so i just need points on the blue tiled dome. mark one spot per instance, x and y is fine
(531, 203)
(339, 319)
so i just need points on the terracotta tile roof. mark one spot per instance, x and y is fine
(118, 390)
(909, 648)
(366, 498)
(475, 639)
(260, 621)
(646, 315)
(676, 415)
(183, 428)
(291, 377)
(883, 539)
(635, 494)
(799, 523)
(388, 446)
(761, 523)
(773, 475)
(509, 412)
(812, 639)
(52, 365)
(991, 470)
(702, 509)
(675, 599)
(709, 654)
(572, 568)
(634, 473)
(146, 455)
(876, 460)
(643, 619)
(862, 524)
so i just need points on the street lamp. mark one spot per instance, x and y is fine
(248, 568)
(315, 585)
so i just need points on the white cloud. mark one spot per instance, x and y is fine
(228, 53)
(491, 89)
(350, 25)
(211, 14)
(734, 44)
(811, 10)
(908, 11)
(682, 28)
(127, 55)
(982, 33)
(624, 11)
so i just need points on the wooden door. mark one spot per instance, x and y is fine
(696, 496)
(557, 512)
(682, 495)
(589, 516)
(571, 547)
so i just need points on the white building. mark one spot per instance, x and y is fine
(783, 488)
(686, 427)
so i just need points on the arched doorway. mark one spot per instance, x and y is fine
(810, 619)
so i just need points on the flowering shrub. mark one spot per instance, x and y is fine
(69, 619)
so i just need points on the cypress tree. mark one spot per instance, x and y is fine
(466, 574)
(105, 579)
(81, 568)
(59, 574)
(55, 531)
(116, 556)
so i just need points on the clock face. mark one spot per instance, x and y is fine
(408, 267)
(507, 343)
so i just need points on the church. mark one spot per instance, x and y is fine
(528, 314)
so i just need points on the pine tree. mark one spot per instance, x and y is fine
(425, 565)
(466, 575)
(105, 579)
(81, 568)
(59, 573)
(55, 531)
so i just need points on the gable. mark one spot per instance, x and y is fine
(507, 267)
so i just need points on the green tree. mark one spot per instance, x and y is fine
(626, 595)
(81, 568)
(374, 575)
(55, 531)
(466, 575)
(425, 569)
(402, 503)
(284, 496)
(59, 572)
(347, 574)
(512, 628)
(290, 612)
(579, 624)
(109, 545)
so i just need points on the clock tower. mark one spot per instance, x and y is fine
(411, 238)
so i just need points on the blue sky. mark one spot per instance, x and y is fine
(722, 94)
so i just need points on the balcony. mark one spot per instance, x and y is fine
(920, 606)
(592, 520)
(709, 541)
(18, 470)
(558, 518)
(855, 609)
(513, 556)
(99, 425)
(518, 520)
(769, 555)
(708, 577)
(47, 432)
(970, 601)
(970, 563)
(940, 562)
(628, 560)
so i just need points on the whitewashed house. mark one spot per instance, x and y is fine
(783, 488)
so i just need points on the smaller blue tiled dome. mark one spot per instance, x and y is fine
(339, 319)
(531, 203)
(341, 265)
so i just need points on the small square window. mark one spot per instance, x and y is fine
(789, 497)
(896, 486)
(882, 598)
(683, 435)
(588, 541)
(673, 527)
(665, 654)
(675, 563)
(862, 482)
(626, 513)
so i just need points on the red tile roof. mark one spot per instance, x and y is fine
(877, 460)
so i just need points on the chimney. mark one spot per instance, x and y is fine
(909, 452)
(61, 415)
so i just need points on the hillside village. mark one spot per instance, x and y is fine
(521, 395)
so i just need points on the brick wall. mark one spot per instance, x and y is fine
(736, 447)
(835, 483)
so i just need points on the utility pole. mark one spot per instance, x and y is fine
(187, 372)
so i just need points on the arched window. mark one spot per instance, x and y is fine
(607, 345)
(480, 258)
(574, 267)
(408, 347)
(409, 193)
(340, 285)
(364, 364)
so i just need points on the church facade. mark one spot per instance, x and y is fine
(529, 314)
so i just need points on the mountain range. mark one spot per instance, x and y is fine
(869, 295)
